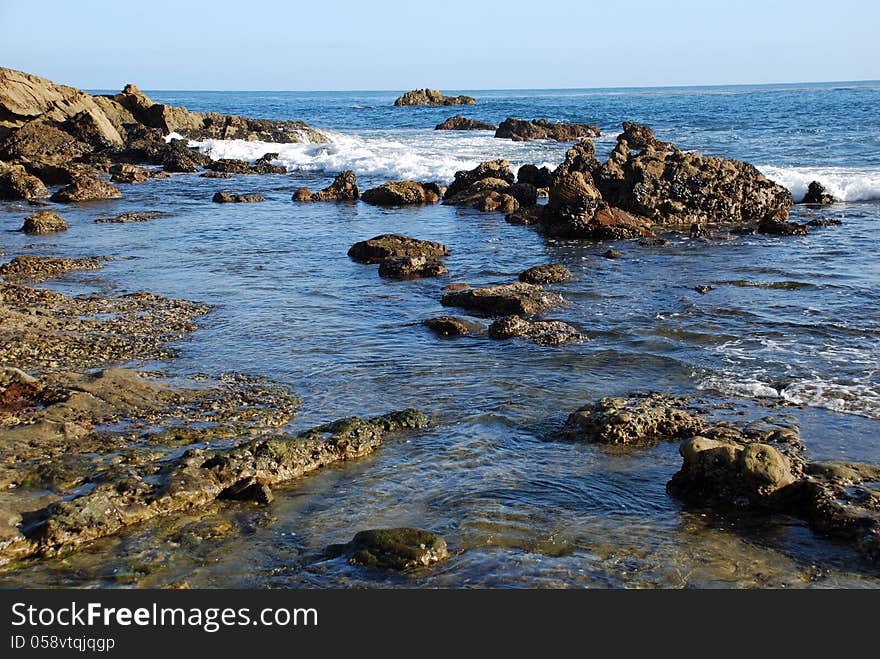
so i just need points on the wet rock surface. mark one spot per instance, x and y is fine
(817, 195)
(402, 193)
(431, 97)
(522, 130)
(553, 273)
(461, 123)
(40, 268)
(411, 267)
(343, 188)
(454, 326)
(517, 299)
(230, 198)
(131, 216)
(542, 332)
(393, 549)
(392, 245)
(43, 223)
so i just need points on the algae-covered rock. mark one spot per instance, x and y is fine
(393, 549)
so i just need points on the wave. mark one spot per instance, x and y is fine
(425, 155)
(845, 183)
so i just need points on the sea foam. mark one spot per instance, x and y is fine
(845, 183)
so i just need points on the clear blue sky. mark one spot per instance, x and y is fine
(395, 45)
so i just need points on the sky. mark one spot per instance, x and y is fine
(450, 45)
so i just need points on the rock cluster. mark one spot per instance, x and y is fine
(490, 187)
(432, 97)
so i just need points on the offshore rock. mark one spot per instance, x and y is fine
(521, 130)
(517, 299)
(554, 273)
(817, 195)
(43, 223)
(542, 332)
(461, 123)
(227, 198)
(432, 97)
(402, 193)
(391, 245)
(453, 326)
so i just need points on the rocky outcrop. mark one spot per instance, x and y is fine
(672, 187)
(39, 268)
(411, 267)
(453, 326)
(16, 183)
(43, 223)
(817, 195)
(522, 130)
(639, 420)
(432, 97)
(462, 123)
(490, 187)
(227, 198)
(402, 193)
(390, 246)
(542, 332)
(554, 273)
(393, 549)
(517, 299)
(86, 188)
(343, 188)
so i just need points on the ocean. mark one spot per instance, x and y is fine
(790, 330)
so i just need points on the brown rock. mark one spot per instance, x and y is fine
(125, 173)
(86, 188)
(521, 130)
(518, 299)
(432, 97)
(401, 193)
(226, 198)
(542, 332)
(16, 183)
(454, 326)
(43, 223)
(343, 188)
(461, 123)
(554, 273)
(387, 246)
(411, 267)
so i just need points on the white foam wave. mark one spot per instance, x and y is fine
(845, 183)
(425, 155)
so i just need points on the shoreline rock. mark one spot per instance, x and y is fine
(542, 332)
(43, 223)
(227, 198)
(402, 193)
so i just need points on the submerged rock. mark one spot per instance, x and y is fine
(612, 254)
(402, 193)
(777, 227)
(86, 188)
(461, 123)
(393, 549)
(817, 195)
(411, 267)
(343, 188)
(641, 420)
(554, 273)
(517, 299)
(454, 326)
(227, 198)
(42, 223)
(432, 97)
(521, 130)
(133, 216)
(542, 332)
(391, 245)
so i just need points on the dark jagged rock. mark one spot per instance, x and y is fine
(17, 183)
(641, 420)
(402, 193)
(234, 166)
(581, 157)
(454, 326)
(393, 549)
(817, 195)
(432, 97)
(390, 245)
(672, 187)
(542, 332)
(777, 227)
(226, 198)
(554, 273)
(521, 130)
(41, 141)
(493, 170)
(411, 267)
(248, 489)
(86, 188)
(702, 290)
(461, 123)
(343, 188)
(43, 223)
(612, 254)
(517, 299)
(824, 222)
(531, 174)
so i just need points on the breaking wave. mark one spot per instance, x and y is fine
(845, 183)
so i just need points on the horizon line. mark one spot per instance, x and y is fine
(515, 89)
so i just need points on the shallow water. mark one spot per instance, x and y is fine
(791, 320)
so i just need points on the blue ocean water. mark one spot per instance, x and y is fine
(790, 330)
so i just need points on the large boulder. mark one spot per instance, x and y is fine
(522, 130)
(86, 188)
(389, 246)
(126, 173)
(533, 175)
(16, 183)
(673, 187)
(462, 123)
(517, 299)
(41, 141)
(343, 188)
(43, 223)
(402, 193)
(542, 332)
(432, 97)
